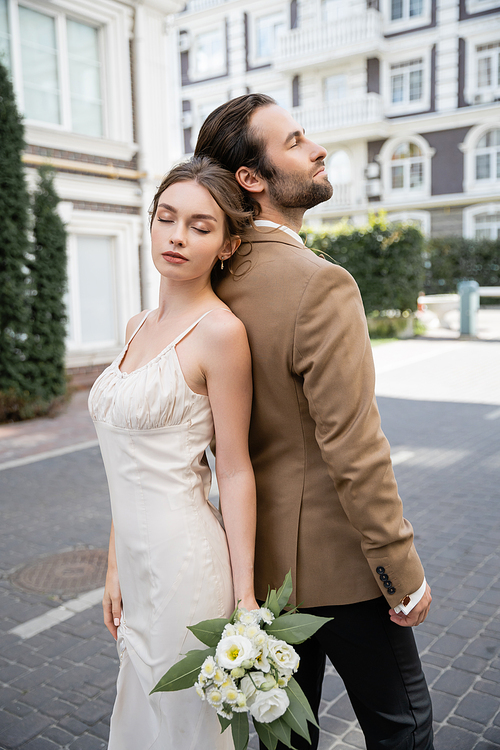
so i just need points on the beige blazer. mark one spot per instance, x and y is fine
(328, 508)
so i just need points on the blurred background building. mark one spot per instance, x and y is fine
(404, 94)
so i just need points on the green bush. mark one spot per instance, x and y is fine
(47, 268)
(14, 246)
(385, 259)
(453, 259)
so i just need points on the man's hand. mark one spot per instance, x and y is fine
(418, 613)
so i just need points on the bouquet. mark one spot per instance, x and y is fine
(248, 667)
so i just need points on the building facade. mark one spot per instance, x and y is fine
(403, 94)
(87, 76)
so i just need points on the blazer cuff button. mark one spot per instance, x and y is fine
(380, 570)
(392, 590)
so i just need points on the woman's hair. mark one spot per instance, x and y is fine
(223, 188)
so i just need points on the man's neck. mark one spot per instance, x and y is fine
(290, 217)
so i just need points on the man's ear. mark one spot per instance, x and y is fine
(249, 181)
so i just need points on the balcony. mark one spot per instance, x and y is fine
(195, 6)
(344, 113)
(312, 45)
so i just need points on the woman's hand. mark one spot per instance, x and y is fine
(248, 602)
(112, 602)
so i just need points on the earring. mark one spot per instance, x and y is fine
(222, 264)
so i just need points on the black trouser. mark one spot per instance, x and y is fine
(379, 664)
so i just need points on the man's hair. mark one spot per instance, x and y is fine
(227, 137)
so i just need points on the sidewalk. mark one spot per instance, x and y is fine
(439, 399)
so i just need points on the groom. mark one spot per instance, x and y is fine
(328, 505)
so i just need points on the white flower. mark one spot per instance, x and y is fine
(225, 714)
(234, 650)
(219, 676)
(283, 680)
(252, 631)
(284, 656)
(268, 706)
(237, 672)
(199, 690)
(249, 685)
(230, 694)
(229, 630)
(214, 697)
(241, 702)
(246, 617)
(266, 615)
(208, 667)
(261, 661)
(260, 640)
(240, 628)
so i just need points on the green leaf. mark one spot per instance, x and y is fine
(284, 593)
(272, 603)
(265, 735)
(296, 628)
(296, 693)
(239, 730)
(209, 631)
(281, 730)
(224, 723)
(295, 717)
(185, 673)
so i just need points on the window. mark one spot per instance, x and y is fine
(419, 219)
(407, 81)
(340, 176)
(335, 87)
(210, 53)
(487, 156)
(267, 30)
(487, 226)
(407, 167)
(488, 67)
(59, 76)
(403, 9)
(91, 299)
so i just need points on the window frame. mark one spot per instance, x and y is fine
(474, 94)
(469, 216)
(195, 74)
(255, 59)
(407, 22)
(405, 194)
(469, 149)
(407, 106)
(423, 217)
(113, 23)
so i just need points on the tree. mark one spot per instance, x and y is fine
(48, 284)
(14, 246)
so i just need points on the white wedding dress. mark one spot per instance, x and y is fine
(172, 556)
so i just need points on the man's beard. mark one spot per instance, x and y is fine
(292, 191)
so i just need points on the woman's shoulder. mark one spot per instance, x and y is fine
(222, 325)
(134, 321)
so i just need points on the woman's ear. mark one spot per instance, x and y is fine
(249, 181)
(230, 247)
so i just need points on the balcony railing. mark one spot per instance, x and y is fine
(312, 44)
(194, 6)
(340, 114)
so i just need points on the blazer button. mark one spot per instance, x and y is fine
(388, 584)
(380, 570)
(392, 590)
(384, 577)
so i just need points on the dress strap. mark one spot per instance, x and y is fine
(138, 327)
(193, 325)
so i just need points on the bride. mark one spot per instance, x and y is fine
(184, 374)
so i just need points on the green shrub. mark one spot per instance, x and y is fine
(385, 259)
(453, 259)
(14, 246)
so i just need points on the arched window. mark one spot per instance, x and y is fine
(407, 167)
(339, 168)
(487, 156)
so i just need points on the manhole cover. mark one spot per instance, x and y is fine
(66, 573)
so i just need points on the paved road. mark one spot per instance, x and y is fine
(57, 687)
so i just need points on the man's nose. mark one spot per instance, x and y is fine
(317, 152)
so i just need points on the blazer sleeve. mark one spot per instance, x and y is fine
(332, 354)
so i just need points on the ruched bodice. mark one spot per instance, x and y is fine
(172, 557)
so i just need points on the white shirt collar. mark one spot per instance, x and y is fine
(287, 230)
